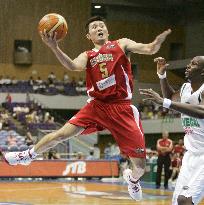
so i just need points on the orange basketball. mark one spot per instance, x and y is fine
(53, 23)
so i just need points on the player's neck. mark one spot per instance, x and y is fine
(196, 85)
(98, 45)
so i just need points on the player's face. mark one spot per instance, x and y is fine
(193, 69)
(98, 32)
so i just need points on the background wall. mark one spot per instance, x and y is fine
(140, 21)
(19, 21)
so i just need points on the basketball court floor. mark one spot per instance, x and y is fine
(76, 193)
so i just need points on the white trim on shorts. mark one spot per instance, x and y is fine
(137, 117)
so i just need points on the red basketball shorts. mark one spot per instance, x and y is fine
(121, 119)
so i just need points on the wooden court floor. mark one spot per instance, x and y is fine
(75, 193)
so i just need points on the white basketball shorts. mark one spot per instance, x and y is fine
(190, 182)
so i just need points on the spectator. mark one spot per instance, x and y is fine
(8, 98)
(164, 148)
(115, 151)
(73, 82)
(46, 116)
(51, 78)
(175, 167)
(29, 139)
(7, 81)
(179, 148)
(91, 155)
(97, 152)
(14, 81)
(52, 154)
(39, 85)
(50, 120)
(4, 115)
(31, 81)
(45, 155)
(11, 141)
(152, 156)
(80, 86)
(5, 124)
(107, 151)
(80, 156)
(66, 78)
(32, 117)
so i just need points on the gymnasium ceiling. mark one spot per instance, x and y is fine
(160, 4)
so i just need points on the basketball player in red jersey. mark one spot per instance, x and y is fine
(109, 86)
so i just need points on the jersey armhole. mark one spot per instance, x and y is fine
(126, 53)
(182, 89)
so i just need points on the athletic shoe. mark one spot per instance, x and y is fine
(14, 158)
(134, 188)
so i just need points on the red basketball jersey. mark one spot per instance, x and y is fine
(108, 74)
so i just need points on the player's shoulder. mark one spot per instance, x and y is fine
(123, 43)
(123, 40)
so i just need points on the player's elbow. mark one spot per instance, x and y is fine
(72, 67)
(198, 113)
(151, 49)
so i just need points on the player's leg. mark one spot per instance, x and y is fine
(138, 167)
(189, 186)
(182, 200)
(159, 171)
(193, 190)
(52, 139)
(183, 176)
(167, 164)
(129, 136)
(48, 141)
(85, 118)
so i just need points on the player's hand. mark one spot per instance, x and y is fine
(49, 39)
(151, 95)
(161, 37)
(161, 65)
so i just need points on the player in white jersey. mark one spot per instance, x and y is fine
(189, 100)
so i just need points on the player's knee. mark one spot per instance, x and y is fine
(182, 200)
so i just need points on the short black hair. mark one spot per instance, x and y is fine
(92, 19)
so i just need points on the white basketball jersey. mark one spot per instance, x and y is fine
(193, 127)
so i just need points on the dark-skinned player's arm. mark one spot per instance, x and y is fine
(196, 111)
(166, 88)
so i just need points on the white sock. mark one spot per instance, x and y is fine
(133, 179)
(32, 153)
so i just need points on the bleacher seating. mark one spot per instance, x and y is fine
(56, 88)
(4, 146)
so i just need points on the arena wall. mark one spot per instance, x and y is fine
(19, 20)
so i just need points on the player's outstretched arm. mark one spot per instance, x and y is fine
(78, 64)
(167, 90)
(196, 111)
(141, 48)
